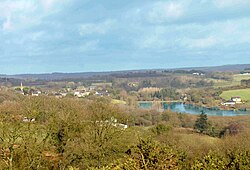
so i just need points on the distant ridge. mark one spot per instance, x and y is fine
(58, 76)
(226, 68)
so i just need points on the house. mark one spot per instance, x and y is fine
(25, 119)
(77, 93)
(20, 92)
(58, 95)
(133, 84)
(36, 93)
(81, 88)
(184, 98)
(228, 103)
(113, 122)
(236, 99)
(90, 88)
(81, 93)
(149, 89)
(63, 94)
(102, 93)
(198, 74)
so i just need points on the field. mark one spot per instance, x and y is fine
(236, 81)
(223, 83)
(243, 93)
(239, 77)
(114, 101)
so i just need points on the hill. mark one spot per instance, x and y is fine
(59, 76)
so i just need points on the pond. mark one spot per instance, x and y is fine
(192, 109)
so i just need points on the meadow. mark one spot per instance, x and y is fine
(243, 93)
(235, 82)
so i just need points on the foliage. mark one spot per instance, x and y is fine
(167, 94)
(149, 155)
(210, 161)
(237, 159)
(222, 76)
(74, 133)
(233, 129)
(201, 124)
(161, 129)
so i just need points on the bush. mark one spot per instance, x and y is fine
(161, 129)
(150, 155)
(210, 161)
(236, 159)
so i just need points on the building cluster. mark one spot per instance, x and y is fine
(198, 74)
(112, 122)
(82, 91)
(233, 101)
(79, 91)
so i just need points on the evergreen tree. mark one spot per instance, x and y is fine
(201, 124)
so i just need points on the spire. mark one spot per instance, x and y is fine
(21, 87)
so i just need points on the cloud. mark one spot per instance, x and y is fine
(152, 39)
(89, 46)
(14, 11)
(230, 3)
(166, 11)
(47, 4)
(7, 26)
(223, 35)
(127, 32)
(206, 42)
(96, 28)
(18, 14)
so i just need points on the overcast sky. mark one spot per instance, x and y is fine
(39, 36)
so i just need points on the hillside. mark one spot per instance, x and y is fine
(58, 76)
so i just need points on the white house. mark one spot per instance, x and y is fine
(81, 93)
(36, 93)
(25, 119)
(228, 103)
(236, 99)
(198, 74)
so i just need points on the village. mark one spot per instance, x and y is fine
(97, 89)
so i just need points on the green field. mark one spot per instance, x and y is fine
(236, 81)
(243, 93)
(239, 77)
(223, 83)
(114, 101)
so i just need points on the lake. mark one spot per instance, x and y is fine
(192, 109)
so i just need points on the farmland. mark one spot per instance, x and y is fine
(235, 82)
(243, 93)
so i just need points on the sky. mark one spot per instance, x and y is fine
(43, 36)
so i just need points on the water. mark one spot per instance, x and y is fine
(192, 109)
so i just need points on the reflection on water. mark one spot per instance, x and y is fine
(192, 109)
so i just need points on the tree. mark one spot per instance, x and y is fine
(201, 124)
(146, 83)
(149, 155)
(233, 129)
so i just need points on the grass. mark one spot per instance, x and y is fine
(114, 101)
(243, 93)
(235, 82)
(223, 83)
(239, 77)
(195, 145)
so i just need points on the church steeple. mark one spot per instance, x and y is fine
(21, 87)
